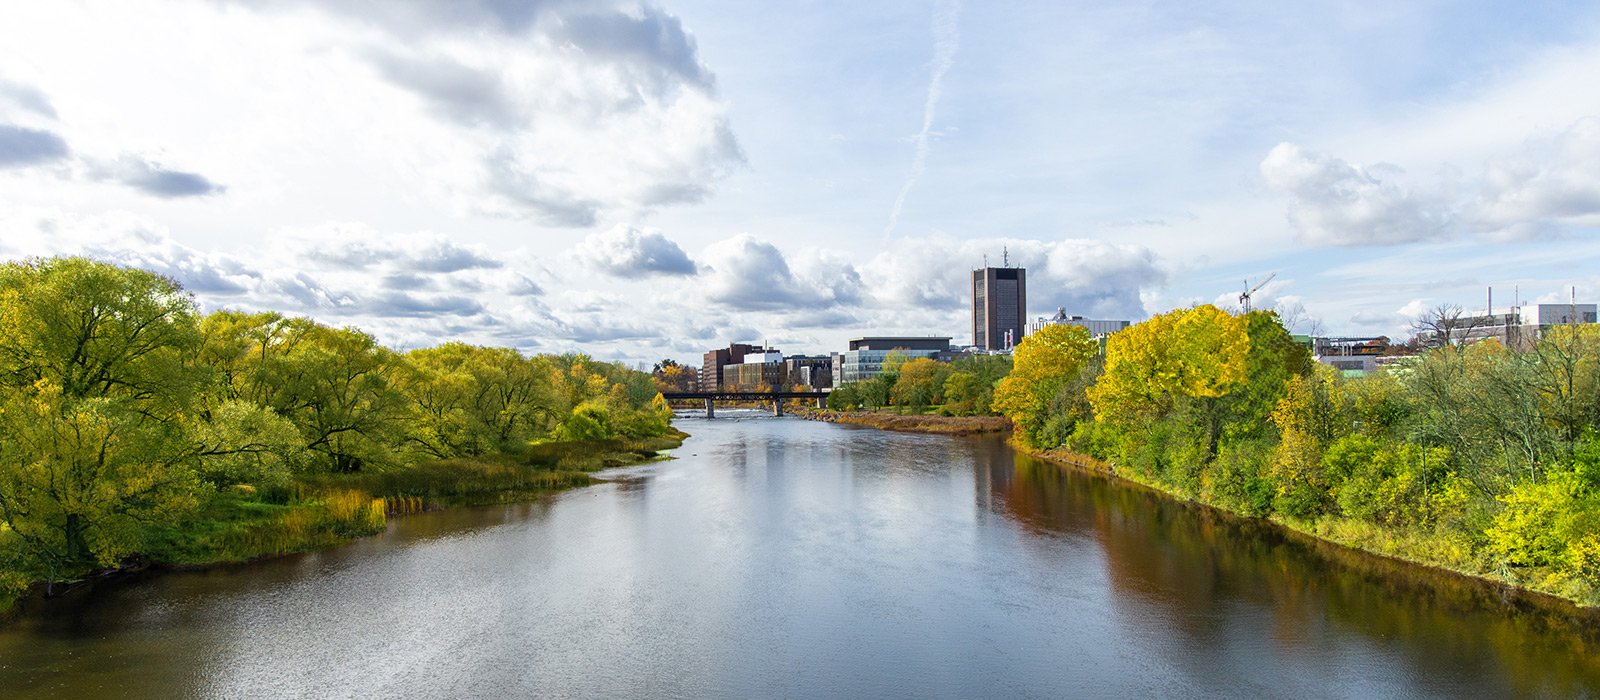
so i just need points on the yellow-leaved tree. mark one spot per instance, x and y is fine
(96, 386)
(1198, 354)
(1043, 362)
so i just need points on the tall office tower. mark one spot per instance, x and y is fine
(999, 307)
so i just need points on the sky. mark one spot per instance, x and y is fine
(640, 181)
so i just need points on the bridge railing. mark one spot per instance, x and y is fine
(776, 397)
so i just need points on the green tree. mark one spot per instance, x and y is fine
(472, 400)
(960, 393)
(337, 386)
(97, 330)
(920, 382)
(1199, 354)
(1044, 362)
(986, 372)
(844, 398)
(97, 384)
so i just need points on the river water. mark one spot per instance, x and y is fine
(779, 558)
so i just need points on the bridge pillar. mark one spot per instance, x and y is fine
(822, 401)
(777, 407)
(711, 412)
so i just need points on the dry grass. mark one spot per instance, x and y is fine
(944, 425)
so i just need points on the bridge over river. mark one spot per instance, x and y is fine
(776, 397)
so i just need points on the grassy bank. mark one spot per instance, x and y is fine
(932, 423)
(1426, 551)
(243, 523)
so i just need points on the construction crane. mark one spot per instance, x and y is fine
(1244, 299)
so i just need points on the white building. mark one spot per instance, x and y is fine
(1522, 326)
(1096, 328)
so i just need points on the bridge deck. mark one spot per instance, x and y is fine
(743, 395)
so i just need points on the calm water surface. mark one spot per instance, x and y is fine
(778, 558)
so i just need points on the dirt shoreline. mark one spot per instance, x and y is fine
(940, 425)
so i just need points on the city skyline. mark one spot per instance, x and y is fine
(647, 180)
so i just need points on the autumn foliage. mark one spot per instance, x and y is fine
(1475, 457)
(124, 412)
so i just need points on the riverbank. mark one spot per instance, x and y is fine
(243, 523)
(1426, 554)
(942, 425)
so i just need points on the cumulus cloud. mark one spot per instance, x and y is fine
(625, 251)
(747, 273)
(26, 98)
(652, 41)
(422, 17)
(406, 288)
(1549, 187)
(358, 247)
(1102, 279)
(1337, 203)
(21, 148)
(1083, 276)
(563, 113)
(154, 179)
(452, 91)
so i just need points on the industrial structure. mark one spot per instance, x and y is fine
(1520, 327)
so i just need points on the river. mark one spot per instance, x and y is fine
(780, 558)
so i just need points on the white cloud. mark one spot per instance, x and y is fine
(559, 113)
(1086, 277)
(21, 147)
(1337, 203)
(750, 274)
(406, 288)
(1549, 188)
(625, 251)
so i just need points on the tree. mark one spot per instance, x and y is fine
(675, 377)
(97, 330)
(844, 398)
(976, 398)
(1044, 361)
(1566, 364)
(894, 359)
(1446, 325)
(1199, 352)
(338, 386)
(96, 384)
(921, 382)
(78, 478)
(471, 400)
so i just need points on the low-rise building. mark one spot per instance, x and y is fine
(809, 371)
(1349, 355)
(758, 370)
(712, 369)
(865, 358)
(1520, 327)
(1096, 328)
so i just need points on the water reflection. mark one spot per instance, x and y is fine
(783, 558)
(1238, 603)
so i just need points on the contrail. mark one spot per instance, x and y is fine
(945, 42)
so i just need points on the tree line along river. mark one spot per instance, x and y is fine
(795, 559)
